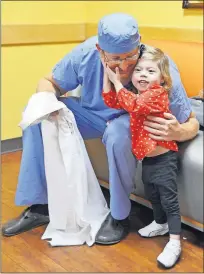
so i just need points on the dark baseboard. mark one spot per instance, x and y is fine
(11, 145)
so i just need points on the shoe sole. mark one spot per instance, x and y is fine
(165, 234)
(168, 267)
(22, 231)
(113, 242)
(107, 243)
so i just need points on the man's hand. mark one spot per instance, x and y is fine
(163, 129)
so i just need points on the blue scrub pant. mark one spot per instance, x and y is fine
(32, 188)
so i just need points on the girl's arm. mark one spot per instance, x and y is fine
(154, 100)
(109, 95)
(110, 99)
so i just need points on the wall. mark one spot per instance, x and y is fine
(24, 65)
(43, 12)
(149, 13)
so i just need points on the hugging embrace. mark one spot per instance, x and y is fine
(144, 113)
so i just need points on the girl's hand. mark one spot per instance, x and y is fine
(114, 77)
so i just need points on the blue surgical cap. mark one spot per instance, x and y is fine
(118, 33)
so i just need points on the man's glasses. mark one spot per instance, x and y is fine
(118, 62)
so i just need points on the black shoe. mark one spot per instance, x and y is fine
(26, 221)
(112, 231)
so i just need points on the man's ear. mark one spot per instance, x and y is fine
(98, 47)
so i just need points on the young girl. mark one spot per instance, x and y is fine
(152, 81)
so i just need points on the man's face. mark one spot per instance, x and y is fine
(125, 62)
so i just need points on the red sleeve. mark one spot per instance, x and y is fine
(111, 100)
(153, 100)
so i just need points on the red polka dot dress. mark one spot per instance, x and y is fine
(153, 101)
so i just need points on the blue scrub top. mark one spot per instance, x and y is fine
(82, 66)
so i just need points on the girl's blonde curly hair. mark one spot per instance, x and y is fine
(157, 55)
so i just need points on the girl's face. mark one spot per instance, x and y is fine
(146, 74)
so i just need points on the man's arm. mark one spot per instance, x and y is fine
(189, 129)
(47, 83)
(64, 76)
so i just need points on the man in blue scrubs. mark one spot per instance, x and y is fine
(118, 42)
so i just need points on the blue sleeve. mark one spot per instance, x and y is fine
(65, 72)
(179, 102)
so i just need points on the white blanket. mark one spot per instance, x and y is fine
(77, 207)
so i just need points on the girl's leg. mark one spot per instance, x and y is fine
(169, 200)
(159, 226)
(149, 174)
(161, 171)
